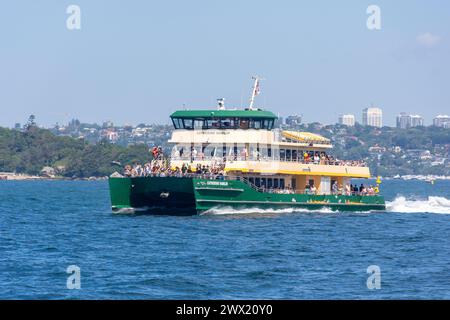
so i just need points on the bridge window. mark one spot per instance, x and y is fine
(243, 124)
(256, 124)
(188, 123)
(177, 123)
(198, 124)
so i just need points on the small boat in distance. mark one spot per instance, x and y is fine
(237, 158)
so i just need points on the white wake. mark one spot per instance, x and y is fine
(249, 211)
(431, 205)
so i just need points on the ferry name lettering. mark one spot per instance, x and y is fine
(217, 183)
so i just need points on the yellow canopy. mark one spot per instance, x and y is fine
(304, 136)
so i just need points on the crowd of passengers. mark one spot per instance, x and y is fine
(307, 157)
(161, 168)
(351, 189)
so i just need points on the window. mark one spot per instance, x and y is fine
(256, 124)
(294, 155)
(243, 124)
(263, 182)
(227, 123)
(282, 183)
(288, 155)
(177, 123)
(282, 154)
(188, 123)
(269, 183)
(275, 183)
(198, 124)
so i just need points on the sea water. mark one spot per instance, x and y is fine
(48, 229)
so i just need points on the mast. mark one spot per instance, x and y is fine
(255, 91)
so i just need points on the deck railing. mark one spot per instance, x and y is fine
(210, 176)
(334, 162)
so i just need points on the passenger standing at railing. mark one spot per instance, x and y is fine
(322, 159)
(127, 171)
(347, 190)
(155, 152)
(334, 187)
(316, 158)
(184, 169)
(244, 153)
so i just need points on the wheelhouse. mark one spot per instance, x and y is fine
(223, 119)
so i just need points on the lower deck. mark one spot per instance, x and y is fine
(194, 195)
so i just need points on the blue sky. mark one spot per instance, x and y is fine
(137, 61)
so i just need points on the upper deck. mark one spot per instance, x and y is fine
(238, 127)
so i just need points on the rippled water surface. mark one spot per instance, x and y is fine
(45, 226)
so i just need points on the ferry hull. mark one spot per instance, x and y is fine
(190, 196)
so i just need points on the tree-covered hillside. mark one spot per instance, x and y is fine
(391, 151)
(30, 150)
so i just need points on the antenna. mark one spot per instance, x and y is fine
(221, 104)
(255, 90)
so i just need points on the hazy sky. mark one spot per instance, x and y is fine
(137, 61)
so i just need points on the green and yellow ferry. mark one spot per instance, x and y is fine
(237, 159)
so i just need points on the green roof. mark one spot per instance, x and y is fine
(223, 114)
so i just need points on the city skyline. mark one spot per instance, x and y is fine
(130, 64)
(403, 120)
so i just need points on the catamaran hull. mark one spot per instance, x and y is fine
(191, 196)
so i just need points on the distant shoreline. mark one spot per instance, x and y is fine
(11, 176)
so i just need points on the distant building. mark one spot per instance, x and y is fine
(442, 121)
(372, 117)
(107, 124)
(405, 121)
(294, 120)
(17, 126)
(416, 121)
(110, 135)
(347, 119)
(278, 122)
